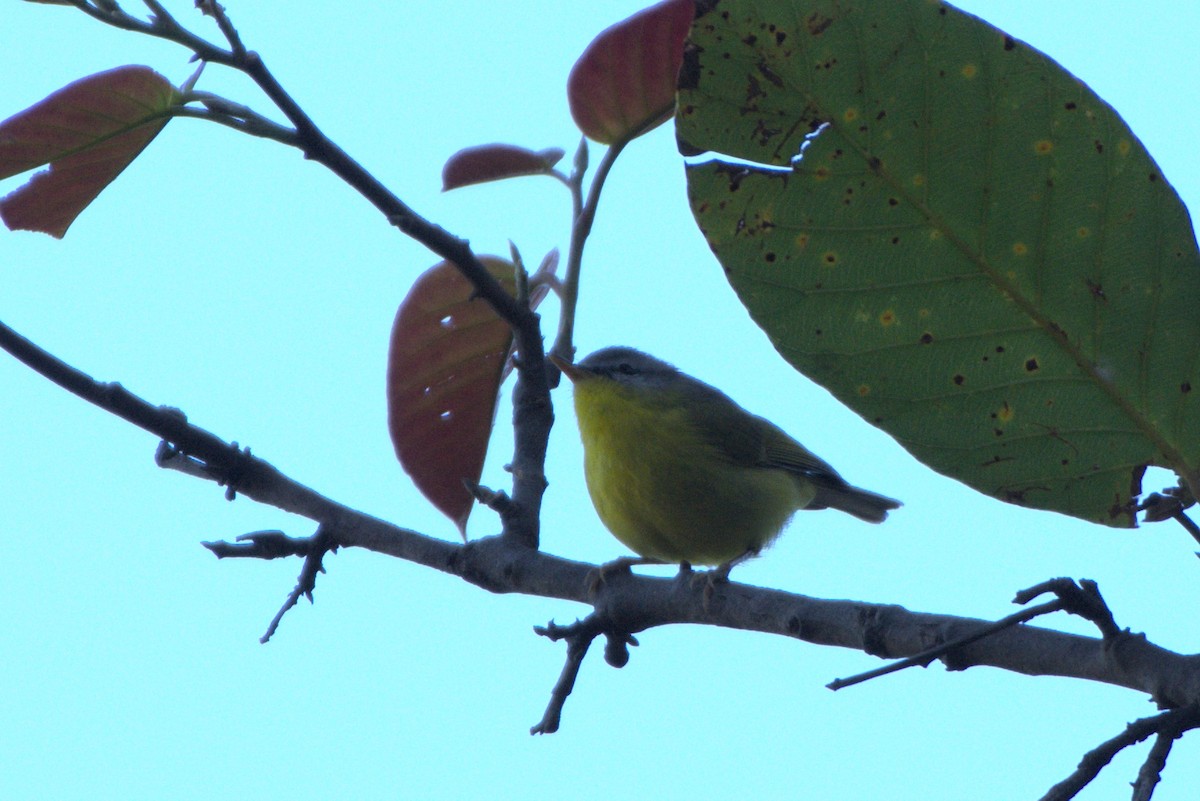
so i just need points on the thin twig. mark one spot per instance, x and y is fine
(320, 544)
(162, 26)
(585, 216)
(579, 639)
(270, 544)
(1150, 774)
(1082, 599)
(925, 657)
(1175, 720)
(274, 545)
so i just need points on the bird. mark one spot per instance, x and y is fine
(680, 473)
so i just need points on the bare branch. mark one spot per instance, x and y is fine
(579, 638)
(1170, 723)
(630, 604)
(532, 413)
(1150, 774)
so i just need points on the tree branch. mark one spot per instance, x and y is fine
(629, 603)
(1172, 724)
(532, 412)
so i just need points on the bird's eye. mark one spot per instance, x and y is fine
(626, 368)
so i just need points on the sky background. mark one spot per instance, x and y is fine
(230, 278)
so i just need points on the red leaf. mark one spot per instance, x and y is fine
(624, 83)
(483, 163)
(88, 132)
(445, 365)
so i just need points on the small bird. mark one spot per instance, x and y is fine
(680, 473)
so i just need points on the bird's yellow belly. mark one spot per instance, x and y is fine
(663, 501)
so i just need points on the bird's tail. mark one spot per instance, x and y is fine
(864, 505)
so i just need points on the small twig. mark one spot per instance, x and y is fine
(1172, 723)
(1082, 599)
(276, 544)
(1171, 504)
(924, 658)
(497, 501)
(577, 648)
(162, 26)
(579, 637)
(1188, 525)
(217, 12)
(584, 215)
(1150, 774)
(237, 116)
(270, 544)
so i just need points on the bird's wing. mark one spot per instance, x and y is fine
(780, 450)
(753, 441)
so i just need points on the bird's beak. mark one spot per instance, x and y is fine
(569, 370)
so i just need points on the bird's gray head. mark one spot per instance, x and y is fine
(635, 370)
(628, 365)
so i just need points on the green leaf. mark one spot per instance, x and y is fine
(624, 83)
(956, 237)
(88, 132)
(446, 362)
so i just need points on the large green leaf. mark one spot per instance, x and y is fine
(956, 237)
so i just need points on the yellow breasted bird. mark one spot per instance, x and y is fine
(679, 472)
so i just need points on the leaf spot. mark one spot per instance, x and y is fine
(816, 24)
(1043, 147)
(864, 390)
(829, 257)
(1020, 249)
(969, 71)
(888, 318)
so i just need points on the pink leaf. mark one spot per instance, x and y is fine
(88, 132)
(624, 83)
(483, 163)
(445, 365)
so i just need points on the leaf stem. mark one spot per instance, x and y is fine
(584, 217)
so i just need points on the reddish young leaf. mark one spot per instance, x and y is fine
(88, 132)
(624, 83)
(483, 163)
(445, 365)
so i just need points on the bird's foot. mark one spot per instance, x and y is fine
(711, 579)
(622, 564)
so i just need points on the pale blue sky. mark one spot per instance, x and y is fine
(230, 278)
